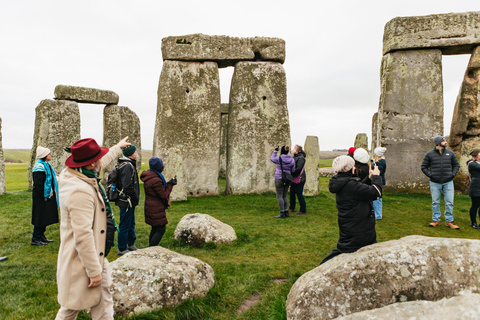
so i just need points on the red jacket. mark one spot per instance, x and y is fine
(156, 195)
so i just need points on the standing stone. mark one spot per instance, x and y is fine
(312, 149)
(188, 110)
(222, 171)
(3, 190)
(465, 128)
(85, 95)
(119, 122)
(375, 132)
(257, 124)
(410, 113)
(361, 141)
(57, 125)
(453, 33)
(173, 166)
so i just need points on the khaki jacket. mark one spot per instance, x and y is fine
(82, 236)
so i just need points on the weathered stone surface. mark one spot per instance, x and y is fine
(222, 171)
(462, 307)
(361, 141)
(119, 122)
(326, 172)
(85, 95)
(188, 119)
(410, 113)
(408, 269)
(465, 128)
(257, 124)
(173, 164)
(57, 125)
(312, 149)
(224, 50)
(154, 278)
(375, 133)
(453, 33)
(198, 228)
(2, 164)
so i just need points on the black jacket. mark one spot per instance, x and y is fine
(440, 167)
(299, 164)
(44, 211)
(474, 170)
(128, 182)
(356, 219)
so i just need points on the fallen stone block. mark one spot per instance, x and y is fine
(198, 228)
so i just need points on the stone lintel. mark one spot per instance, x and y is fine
(224, 50)
(452, 33)
(224, 108)
(85, 95)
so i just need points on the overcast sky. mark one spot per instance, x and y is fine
(333, 55)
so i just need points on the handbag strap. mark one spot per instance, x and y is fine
(280, 159)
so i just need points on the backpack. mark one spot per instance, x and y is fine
(113, 194)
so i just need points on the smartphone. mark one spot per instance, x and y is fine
(175, 177)
(372, 164)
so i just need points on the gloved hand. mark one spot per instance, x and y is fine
(172, 181)
(276, 149)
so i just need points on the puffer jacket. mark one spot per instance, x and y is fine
(440, 167)
(288, 164)
(356, 218)
(474, 170)
(299, 164)
(128, 182)
(156, 195)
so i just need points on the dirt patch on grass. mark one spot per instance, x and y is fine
(247, 304)
(279, 280)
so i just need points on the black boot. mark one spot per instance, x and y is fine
(474, 226)
(44, 239)
(285, 213)
(37, 242)
(281, 215)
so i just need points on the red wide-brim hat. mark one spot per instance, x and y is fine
(84, 152)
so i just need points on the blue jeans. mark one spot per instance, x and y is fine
(297, 189)
(436, 191)
(377, 207)
(126, 233)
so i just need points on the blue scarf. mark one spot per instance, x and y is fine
(43, 166)
(163, 179)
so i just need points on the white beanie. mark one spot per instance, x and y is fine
(361, 155)
(42, 152)
(379, 151)
(343, 164)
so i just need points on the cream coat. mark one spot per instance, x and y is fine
(82, 236)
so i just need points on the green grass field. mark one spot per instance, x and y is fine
(266, 260)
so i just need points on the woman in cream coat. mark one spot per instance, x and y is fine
(83, 274)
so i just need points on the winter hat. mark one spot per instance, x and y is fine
(42, 152)
(343, 164)
(438, 139)
(155, 163)
(351, 150)
(361, 155)
(127, 152)
(285, 150)
(379, 151)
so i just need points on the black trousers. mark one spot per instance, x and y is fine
(331, 255)
(156, 235)
(474, 209)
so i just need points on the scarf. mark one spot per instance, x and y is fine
(161, 177)
(44, 166)
(91, 174)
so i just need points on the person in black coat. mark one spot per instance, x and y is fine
(44, 197)
(297, 188)
(356, 218)
(474, 188)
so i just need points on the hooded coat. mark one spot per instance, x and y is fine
(356, 218)
(288, 164)
(156, 195)
(299, 164)
(128, 182)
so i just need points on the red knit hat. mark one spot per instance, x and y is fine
(84, 152)
(351, 150)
